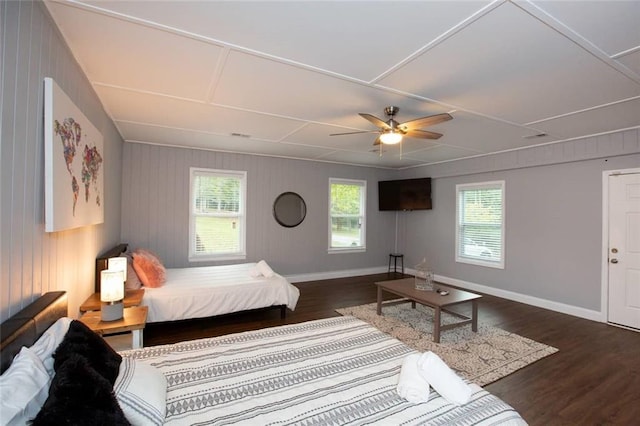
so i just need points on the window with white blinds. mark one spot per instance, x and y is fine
(480, 213)
(217, 214)
(347, 215)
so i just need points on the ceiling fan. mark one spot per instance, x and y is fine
(391, 132)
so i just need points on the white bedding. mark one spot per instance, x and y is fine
(215, 290)
(327, 372)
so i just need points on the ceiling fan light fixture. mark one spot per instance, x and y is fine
(390, 137)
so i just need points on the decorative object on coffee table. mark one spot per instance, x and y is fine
(423, 276)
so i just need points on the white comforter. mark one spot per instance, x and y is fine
(215, 290)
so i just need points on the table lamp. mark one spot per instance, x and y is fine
(111, 294)
(118, 264)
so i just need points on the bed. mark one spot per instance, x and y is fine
(207, 291)
(332, 371)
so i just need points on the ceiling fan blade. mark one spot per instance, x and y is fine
(375, 120)
(354, 133)
(423, 134)
(425, 121)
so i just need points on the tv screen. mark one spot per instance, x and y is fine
(405, 194)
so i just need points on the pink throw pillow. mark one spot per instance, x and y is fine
(150, 255)
(149, 269)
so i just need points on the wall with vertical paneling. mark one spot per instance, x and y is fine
(553, 216)
(33, 261)
(553, 235)
(155, 208)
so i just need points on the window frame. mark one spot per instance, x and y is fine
(241, 253)
(363, 214)
(460, 258)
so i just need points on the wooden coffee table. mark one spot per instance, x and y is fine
(406, 288)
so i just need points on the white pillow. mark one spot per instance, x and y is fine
(141, 391)
(46, 345)
(24, 388)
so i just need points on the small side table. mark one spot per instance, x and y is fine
(395, 257)
(134, 320)
(131, 298)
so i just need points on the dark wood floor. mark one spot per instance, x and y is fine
(593, 380)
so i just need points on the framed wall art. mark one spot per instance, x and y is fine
(74, 164)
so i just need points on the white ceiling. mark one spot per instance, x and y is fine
(276, 78)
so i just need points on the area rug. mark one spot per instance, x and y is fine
(482, 357)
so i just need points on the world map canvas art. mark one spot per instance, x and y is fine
(74, 164)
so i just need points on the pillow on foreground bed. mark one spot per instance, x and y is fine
(148, 268)
(141, 391)
(23, 389)
(46, 345)
(79, 395)
(81, 340)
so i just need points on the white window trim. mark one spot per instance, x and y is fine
(481, 185)
(363, 207)
(240, 254)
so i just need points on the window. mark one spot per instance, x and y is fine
(480, 224)
(217, 214)
(347, 214)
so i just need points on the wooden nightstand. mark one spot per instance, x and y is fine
(131, 298)
(134, 320)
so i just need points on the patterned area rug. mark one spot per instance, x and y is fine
(481, 357)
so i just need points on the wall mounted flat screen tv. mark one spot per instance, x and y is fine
(404, 194)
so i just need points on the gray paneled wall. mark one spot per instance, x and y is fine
(553, 217)
(33, 261)
(553, 197)
(553, 213)
(155, 209)
(589, 148)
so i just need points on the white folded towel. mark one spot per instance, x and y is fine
(411, 386)
(255, 272)
(443, 379)
(262, 269)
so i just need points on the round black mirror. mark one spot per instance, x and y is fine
(289, 209)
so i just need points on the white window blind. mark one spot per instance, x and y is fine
(217, 219)
(480, 223)
(347, 214)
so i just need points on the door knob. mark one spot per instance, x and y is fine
(614, 260)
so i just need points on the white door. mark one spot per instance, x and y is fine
(624, 250)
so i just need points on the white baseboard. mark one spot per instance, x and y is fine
(505, 294)
(316, 276)
(576, 311)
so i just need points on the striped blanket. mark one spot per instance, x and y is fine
(327, 372)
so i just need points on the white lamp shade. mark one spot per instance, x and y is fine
(390, 138)
(118, 264)
(111, 285)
